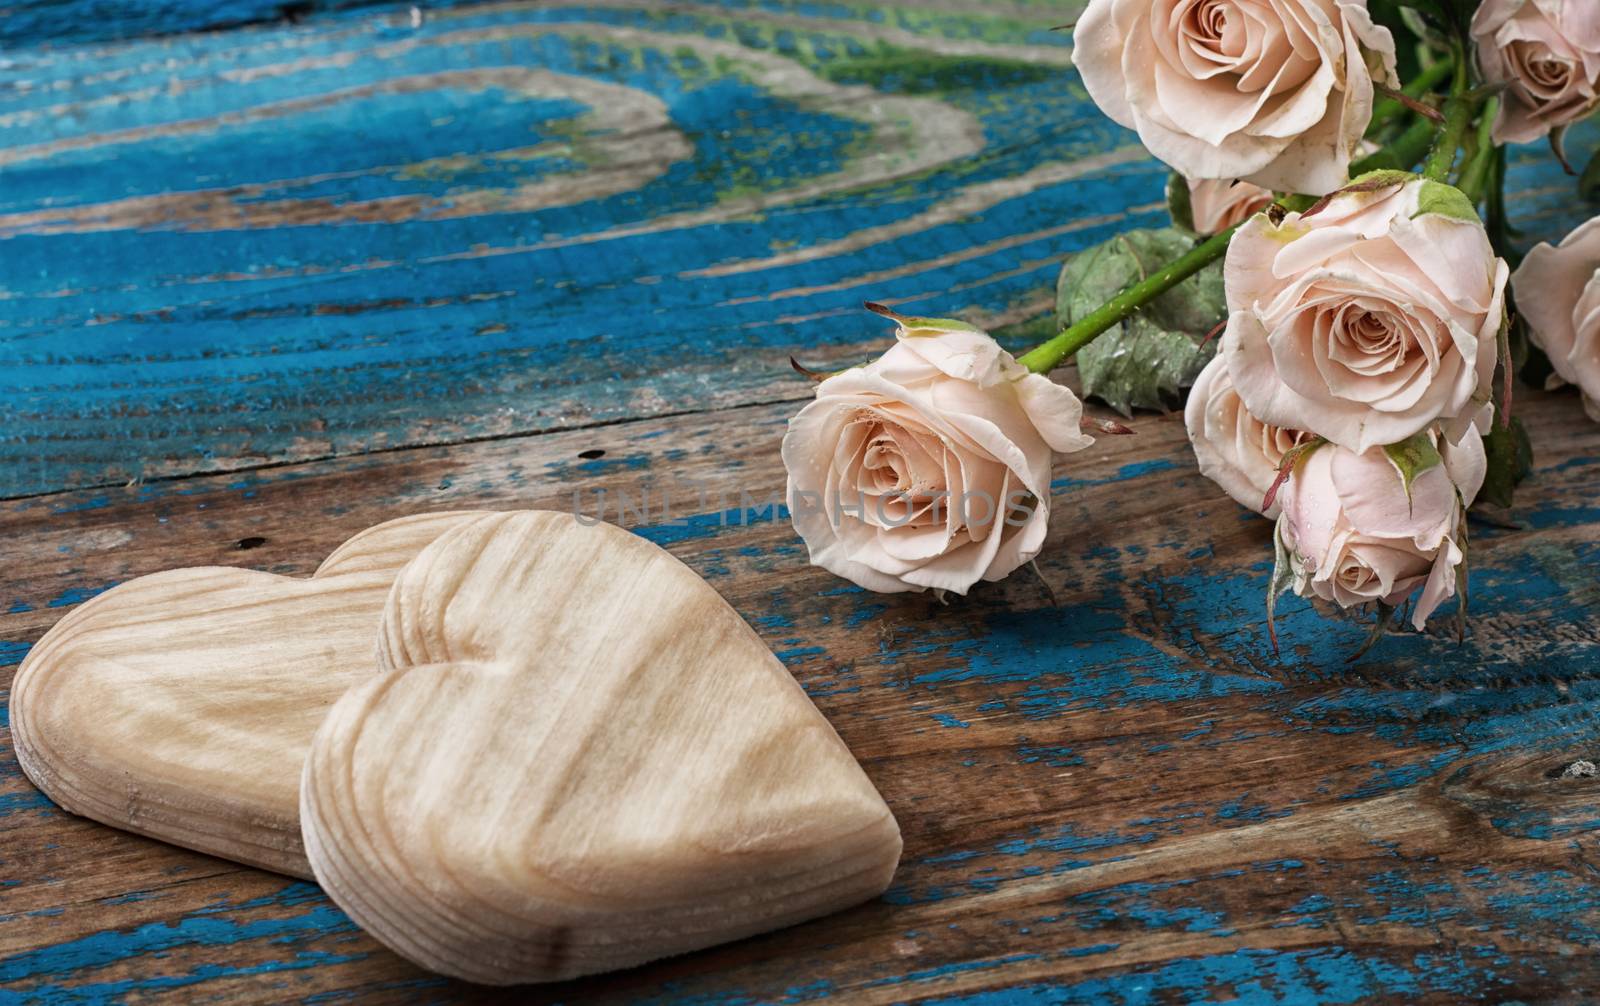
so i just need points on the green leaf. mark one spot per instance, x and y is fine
(922, 326)
(1284, 574)
(1413, 456)
(1445, 200)
(936, 326)
(1382, 178)
(1375, 180)
(1179, 205)
(1149, 359)
(1510, 455)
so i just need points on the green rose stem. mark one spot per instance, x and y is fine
(1457, 117)
(1048, 355)
(1458, 113)
(1481, 163)
(1404, 152)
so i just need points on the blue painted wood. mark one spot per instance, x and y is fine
(31, 23)
(1114, 796)
(294, 242)
(269, 253)
(410, 306)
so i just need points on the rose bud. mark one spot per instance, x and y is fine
(1277, 92)
(1355, 534)
(930, 466)
(1558, 294)
(1369, 318)
(1549, 54)
(1236, 450)
(1216, 204)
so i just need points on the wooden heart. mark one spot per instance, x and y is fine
(180, 705)
(579, 758)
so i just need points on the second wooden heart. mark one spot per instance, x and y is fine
(579, 758)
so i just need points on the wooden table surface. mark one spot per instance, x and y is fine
(271, 273)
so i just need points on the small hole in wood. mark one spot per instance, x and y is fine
(591, 454)
(254, 541)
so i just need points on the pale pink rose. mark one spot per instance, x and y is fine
(1355, 536)
(1368, 320)
(1236, 450)
(930, 466)
(1549, 52)
(1558, 293)
(1217, 204)
(1277, 92)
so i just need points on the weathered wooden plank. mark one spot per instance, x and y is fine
(505, 242)
(1117, 797)
(26, 23)
(31, 23)
(371, 231)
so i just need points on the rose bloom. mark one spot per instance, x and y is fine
(1277, 92)
(929, 466)
(1217, 204)
(1558, 293)
(1236, 450)
(1549, 52)
(1369, 320)
(1355, 536)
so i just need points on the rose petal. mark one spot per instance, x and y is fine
(1441, 584)
(1055, 412)
(1374, 499)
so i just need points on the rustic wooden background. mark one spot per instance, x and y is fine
(267, 283)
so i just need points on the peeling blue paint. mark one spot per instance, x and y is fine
(76, 595)
(13, 651)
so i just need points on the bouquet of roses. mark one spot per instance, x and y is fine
(1333, 293)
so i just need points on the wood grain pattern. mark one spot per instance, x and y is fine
(1110, 791)
(31, 23)
(181, 705)
(577, 758)
(368, 231)
(1107, 797)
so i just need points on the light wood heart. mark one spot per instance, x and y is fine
(180, 705)
(579, 758)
